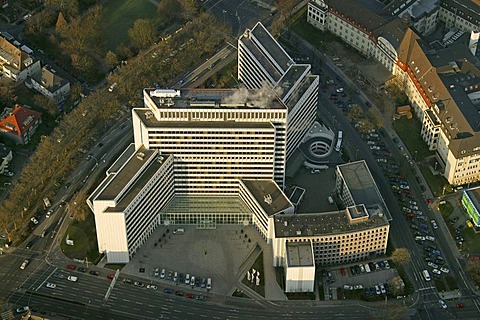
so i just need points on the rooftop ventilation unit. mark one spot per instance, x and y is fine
(140, 156)
(148, 115)
(165, 93)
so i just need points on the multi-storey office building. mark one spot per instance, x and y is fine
(263, 62)
(440, 77)
(216, 136)
(127, 203)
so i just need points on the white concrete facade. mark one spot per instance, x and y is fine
(263, 62)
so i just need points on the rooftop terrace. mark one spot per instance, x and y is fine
(268, 195)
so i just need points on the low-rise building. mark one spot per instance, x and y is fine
(19, 124)
(471, 204)
(16, 63)
(50, 84)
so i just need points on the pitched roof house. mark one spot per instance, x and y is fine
(19, 124)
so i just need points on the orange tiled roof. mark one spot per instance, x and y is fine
(19, 120)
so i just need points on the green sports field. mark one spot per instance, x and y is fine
(120, 16)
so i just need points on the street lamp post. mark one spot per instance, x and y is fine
(224, 11)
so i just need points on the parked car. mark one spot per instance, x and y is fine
(110, 276)
(459, 305)
(71, 267)
(442, 304)
(51, 285)
(436, 271)
(434, 224)
(168, 290)
(151, 286)
(94, 273)
(444, 269)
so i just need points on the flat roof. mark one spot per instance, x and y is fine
(291, 77)
(362, 186)
(360, 182)
(268, 195)
(323, 224)
(299, 254)
(125, 175)
(240, 98)
(266, 63)
(271, 45)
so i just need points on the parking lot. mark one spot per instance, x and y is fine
(354, 277)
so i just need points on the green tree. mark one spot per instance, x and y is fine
(189, 8)
(401, 256)
(111, 60)
(46, 104)
(142, 34)
(168, 10)
(376, 118)
(69, 7)
(75, 91)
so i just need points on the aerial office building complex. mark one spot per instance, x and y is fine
(206, 156)
(440, 75)
(263, 62)
(198, 158)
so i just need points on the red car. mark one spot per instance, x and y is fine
(459, 305)
(189, 296)
(410, 216)
(71, 267)
(343, 272)
(110, 276)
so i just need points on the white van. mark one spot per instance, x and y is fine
(179, 231)
(209, 283)
(367, 268)
(426, 275)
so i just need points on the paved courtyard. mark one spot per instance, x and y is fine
(221, 254)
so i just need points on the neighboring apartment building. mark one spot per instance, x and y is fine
(19, 124)
(263, 62)
(5, 157)
(16, 61)
(50, 84)
(439, 77)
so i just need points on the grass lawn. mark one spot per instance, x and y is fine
(120, 16)
(435, 182)
(84, 238)
(472, 242)
(409, 132)
(308, 32)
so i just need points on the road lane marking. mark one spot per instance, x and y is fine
(41, 284)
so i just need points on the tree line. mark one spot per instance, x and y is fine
(57, 154)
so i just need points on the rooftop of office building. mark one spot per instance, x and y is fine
(219, 99)
(361, 185)
(206, 205)
(128, 175)
(299, 254)
(268, 195)
(271, 46)
(325, 223)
